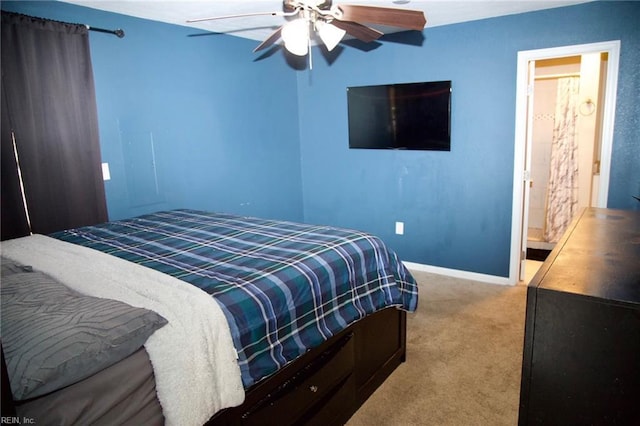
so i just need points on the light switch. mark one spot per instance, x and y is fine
(105, 172)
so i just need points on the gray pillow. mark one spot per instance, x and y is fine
(53, 336)
(10, 267)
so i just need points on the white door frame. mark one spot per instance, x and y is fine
(520, 174)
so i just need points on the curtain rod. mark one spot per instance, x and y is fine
(541, 77)
(118, 32)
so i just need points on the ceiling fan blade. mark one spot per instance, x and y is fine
(402, 18)
(269, 40)
(359, 31)
(244, 15)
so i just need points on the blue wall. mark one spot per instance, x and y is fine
(456, 205)
(259, 138)
(189, 120)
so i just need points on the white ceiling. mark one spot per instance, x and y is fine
(438, 12)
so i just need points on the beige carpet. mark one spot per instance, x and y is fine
(464, 356)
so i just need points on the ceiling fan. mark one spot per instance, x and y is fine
(330, 23)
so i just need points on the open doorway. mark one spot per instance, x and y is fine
(565, 110)
(565, 145)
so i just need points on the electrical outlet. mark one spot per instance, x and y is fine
(400, 228)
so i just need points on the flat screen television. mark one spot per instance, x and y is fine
(412, 116)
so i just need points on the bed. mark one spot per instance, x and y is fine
(256, 317)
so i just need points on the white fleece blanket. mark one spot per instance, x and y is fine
(193, 357)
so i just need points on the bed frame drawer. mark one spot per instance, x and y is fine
(316, 385)
(331, 412)
(346, 370)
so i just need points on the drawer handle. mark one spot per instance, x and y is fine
(313, 389)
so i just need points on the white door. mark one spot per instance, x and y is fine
(526, 174)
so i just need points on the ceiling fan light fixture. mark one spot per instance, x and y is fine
(329, 34)
(295, 35)
(331, 23)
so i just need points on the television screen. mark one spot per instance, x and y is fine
(400, 116)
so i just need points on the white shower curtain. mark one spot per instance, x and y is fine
(562, 193)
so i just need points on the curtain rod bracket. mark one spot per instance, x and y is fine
(119, 32)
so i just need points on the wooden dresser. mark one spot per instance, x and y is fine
(581, 363)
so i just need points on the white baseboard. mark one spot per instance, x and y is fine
(456, 273)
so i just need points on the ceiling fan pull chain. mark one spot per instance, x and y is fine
(310, 53)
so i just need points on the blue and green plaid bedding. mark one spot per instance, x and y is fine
(284, 287)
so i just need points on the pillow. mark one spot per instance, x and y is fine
(10, 267)
(54, 336)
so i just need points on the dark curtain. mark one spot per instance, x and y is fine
(14, 219)
(48, 92)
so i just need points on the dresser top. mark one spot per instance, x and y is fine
(598, 256)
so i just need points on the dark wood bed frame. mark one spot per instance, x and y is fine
(325, 386)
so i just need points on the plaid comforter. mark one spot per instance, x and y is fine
(284, 287)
